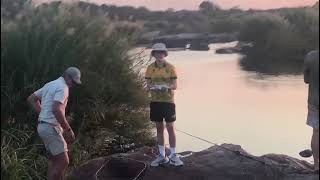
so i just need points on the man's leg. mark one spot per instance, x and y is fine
(50, 167)
(172, 137)
(315, 147)
(160, 137)
(59, 164)
(161, 159)
(174, 158)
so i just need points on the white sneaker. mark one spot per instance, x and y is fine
(160, 160)
(175, 160)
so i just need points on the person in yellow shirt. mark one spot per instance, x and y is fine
(162, 82)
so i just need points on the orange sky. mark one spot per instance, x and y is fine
(193, 4)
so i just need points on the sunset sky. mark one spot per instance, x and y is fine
(193, 4)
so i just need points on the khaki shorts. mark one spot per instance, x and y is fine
(52, 138)
(313, 116)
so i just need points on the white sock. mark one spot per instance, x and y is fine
(173, 150)
(162, 150)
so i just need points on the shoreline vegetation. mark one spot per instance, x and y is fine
(109, 113)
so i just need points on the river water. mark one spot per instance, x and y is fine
(221, 103)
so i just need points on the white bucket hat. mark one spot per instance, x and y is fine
(159, 47)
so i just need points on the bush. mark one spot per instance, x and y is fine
(19, 158)
(304, 22)
(229, 25)
(107, 112)
(281, 40)
(257, 27)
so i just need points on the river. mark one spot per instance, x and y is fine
(221, 103)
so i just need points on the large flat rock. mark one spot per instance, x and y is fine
(225, 162)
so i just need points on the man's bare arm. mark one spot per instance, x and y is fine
(58, 111)
(174, 84)
(34, 101)
(306, 72)
(149, 84)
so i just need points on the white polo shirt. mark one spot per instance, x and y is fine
(56, 90)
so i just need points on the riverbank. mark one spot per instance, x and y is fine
(225, 162)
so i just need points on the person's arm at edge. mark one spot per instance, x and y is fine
(306, 70)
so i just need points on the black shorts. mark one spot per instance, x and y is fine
(160, 111)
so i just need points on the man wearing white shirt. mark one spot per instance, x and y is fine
(50, 103)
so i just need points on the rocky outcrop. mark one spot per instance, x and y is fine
(241, 47)
(198, 46)
(227, 51)
(195, 39)
(225, 162)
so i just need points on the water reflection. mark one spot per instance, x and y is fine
(220, 102)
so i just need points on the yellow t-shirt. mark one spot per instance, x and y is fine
(161, 76)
